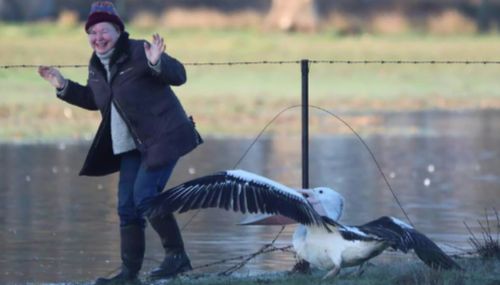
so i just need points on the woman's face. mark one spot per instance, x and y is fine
(103, 37)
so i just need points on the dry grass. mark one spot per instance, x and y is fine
(448, 22)
(488, 245)
(68, 18)
(451, 22)
(145, 20)
(197, 19)
(390, 24)
(343, 24)
(206, 19)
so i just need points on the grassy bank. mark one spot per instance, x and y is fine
(219, 96)
(476, 271)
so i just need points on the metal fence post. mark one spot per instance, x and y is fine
(305, 122)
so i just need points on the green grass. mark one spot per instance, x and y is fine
(218, 96)
(476, 271)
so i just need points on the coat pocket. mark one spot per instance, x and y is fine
(127, 70)
(171, 145)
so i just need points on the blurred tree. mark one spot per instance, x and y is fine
(81, 7)
(293, 15)
(10, 10)
(483, 16)
(39, 9)
(30, 10)
(290, 15)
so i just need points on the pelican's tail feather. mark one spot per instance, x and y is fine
(404, 237)
(431, 254)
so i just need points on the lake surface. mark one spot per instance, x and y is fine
(444, 167)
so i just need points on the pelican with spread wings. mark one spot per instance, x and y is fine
(320, 239)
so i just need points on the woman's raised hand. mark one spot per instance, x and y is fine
(52, 75)
(155, 49)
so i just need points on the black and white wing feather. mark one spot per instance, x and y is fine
(237, 190)
(350, 233)
(403, 237)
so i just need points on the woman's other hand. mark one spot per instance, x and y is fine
(52, 75)
(155, 49)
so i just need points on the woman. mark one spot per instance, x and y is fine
(143, 132)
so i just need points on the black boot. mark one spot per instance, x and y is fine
(132, 253)
(176, 260)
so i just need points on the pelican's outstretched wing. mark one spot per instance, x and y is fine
(350, 232)
(236, 190)
(267, 220)
(404, 237)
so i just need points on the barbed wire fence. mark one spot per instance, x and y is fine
(282, 62)
(271, 247)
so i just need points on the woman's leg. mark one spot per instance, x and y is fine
(129, 172)
(132, 239)
(148, 184)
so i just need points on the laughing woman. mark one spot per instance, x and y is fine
(143, 132)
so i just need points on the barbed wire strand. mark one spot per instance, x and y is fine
(283, 62)
(21, 66)
(377, 164)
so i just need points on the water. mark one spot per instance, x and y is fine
(443, 166)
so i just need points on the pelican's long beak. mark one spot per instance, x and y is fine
(309, 195)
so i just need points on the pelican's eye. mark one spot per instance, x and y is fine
(320, 191)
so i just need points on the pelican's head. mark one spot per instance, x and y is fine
(326, 201)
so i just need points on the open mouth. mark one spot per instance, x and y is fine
(101, 45)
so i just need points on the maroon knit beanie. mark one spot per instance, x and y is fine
(103, 11)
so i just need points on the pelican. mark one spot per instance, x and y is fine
(320, 239)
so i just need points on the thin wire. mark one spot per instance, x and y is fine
(373, 158)
(263, 249)
(262, 132)
(381, 61)
(245, 258)
(261, 62)
(352, 130)
(282, 62)
(20, 66)
(254, 141)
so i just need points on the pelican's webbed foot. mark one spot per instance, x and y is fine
(301, 267)
(332, 273)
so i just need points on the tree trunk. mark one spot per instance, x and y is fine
(293, 15)
(37, 9)
(10, 10)
(483, 16)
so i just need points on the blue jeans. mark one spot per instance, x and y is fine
(138, 186)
